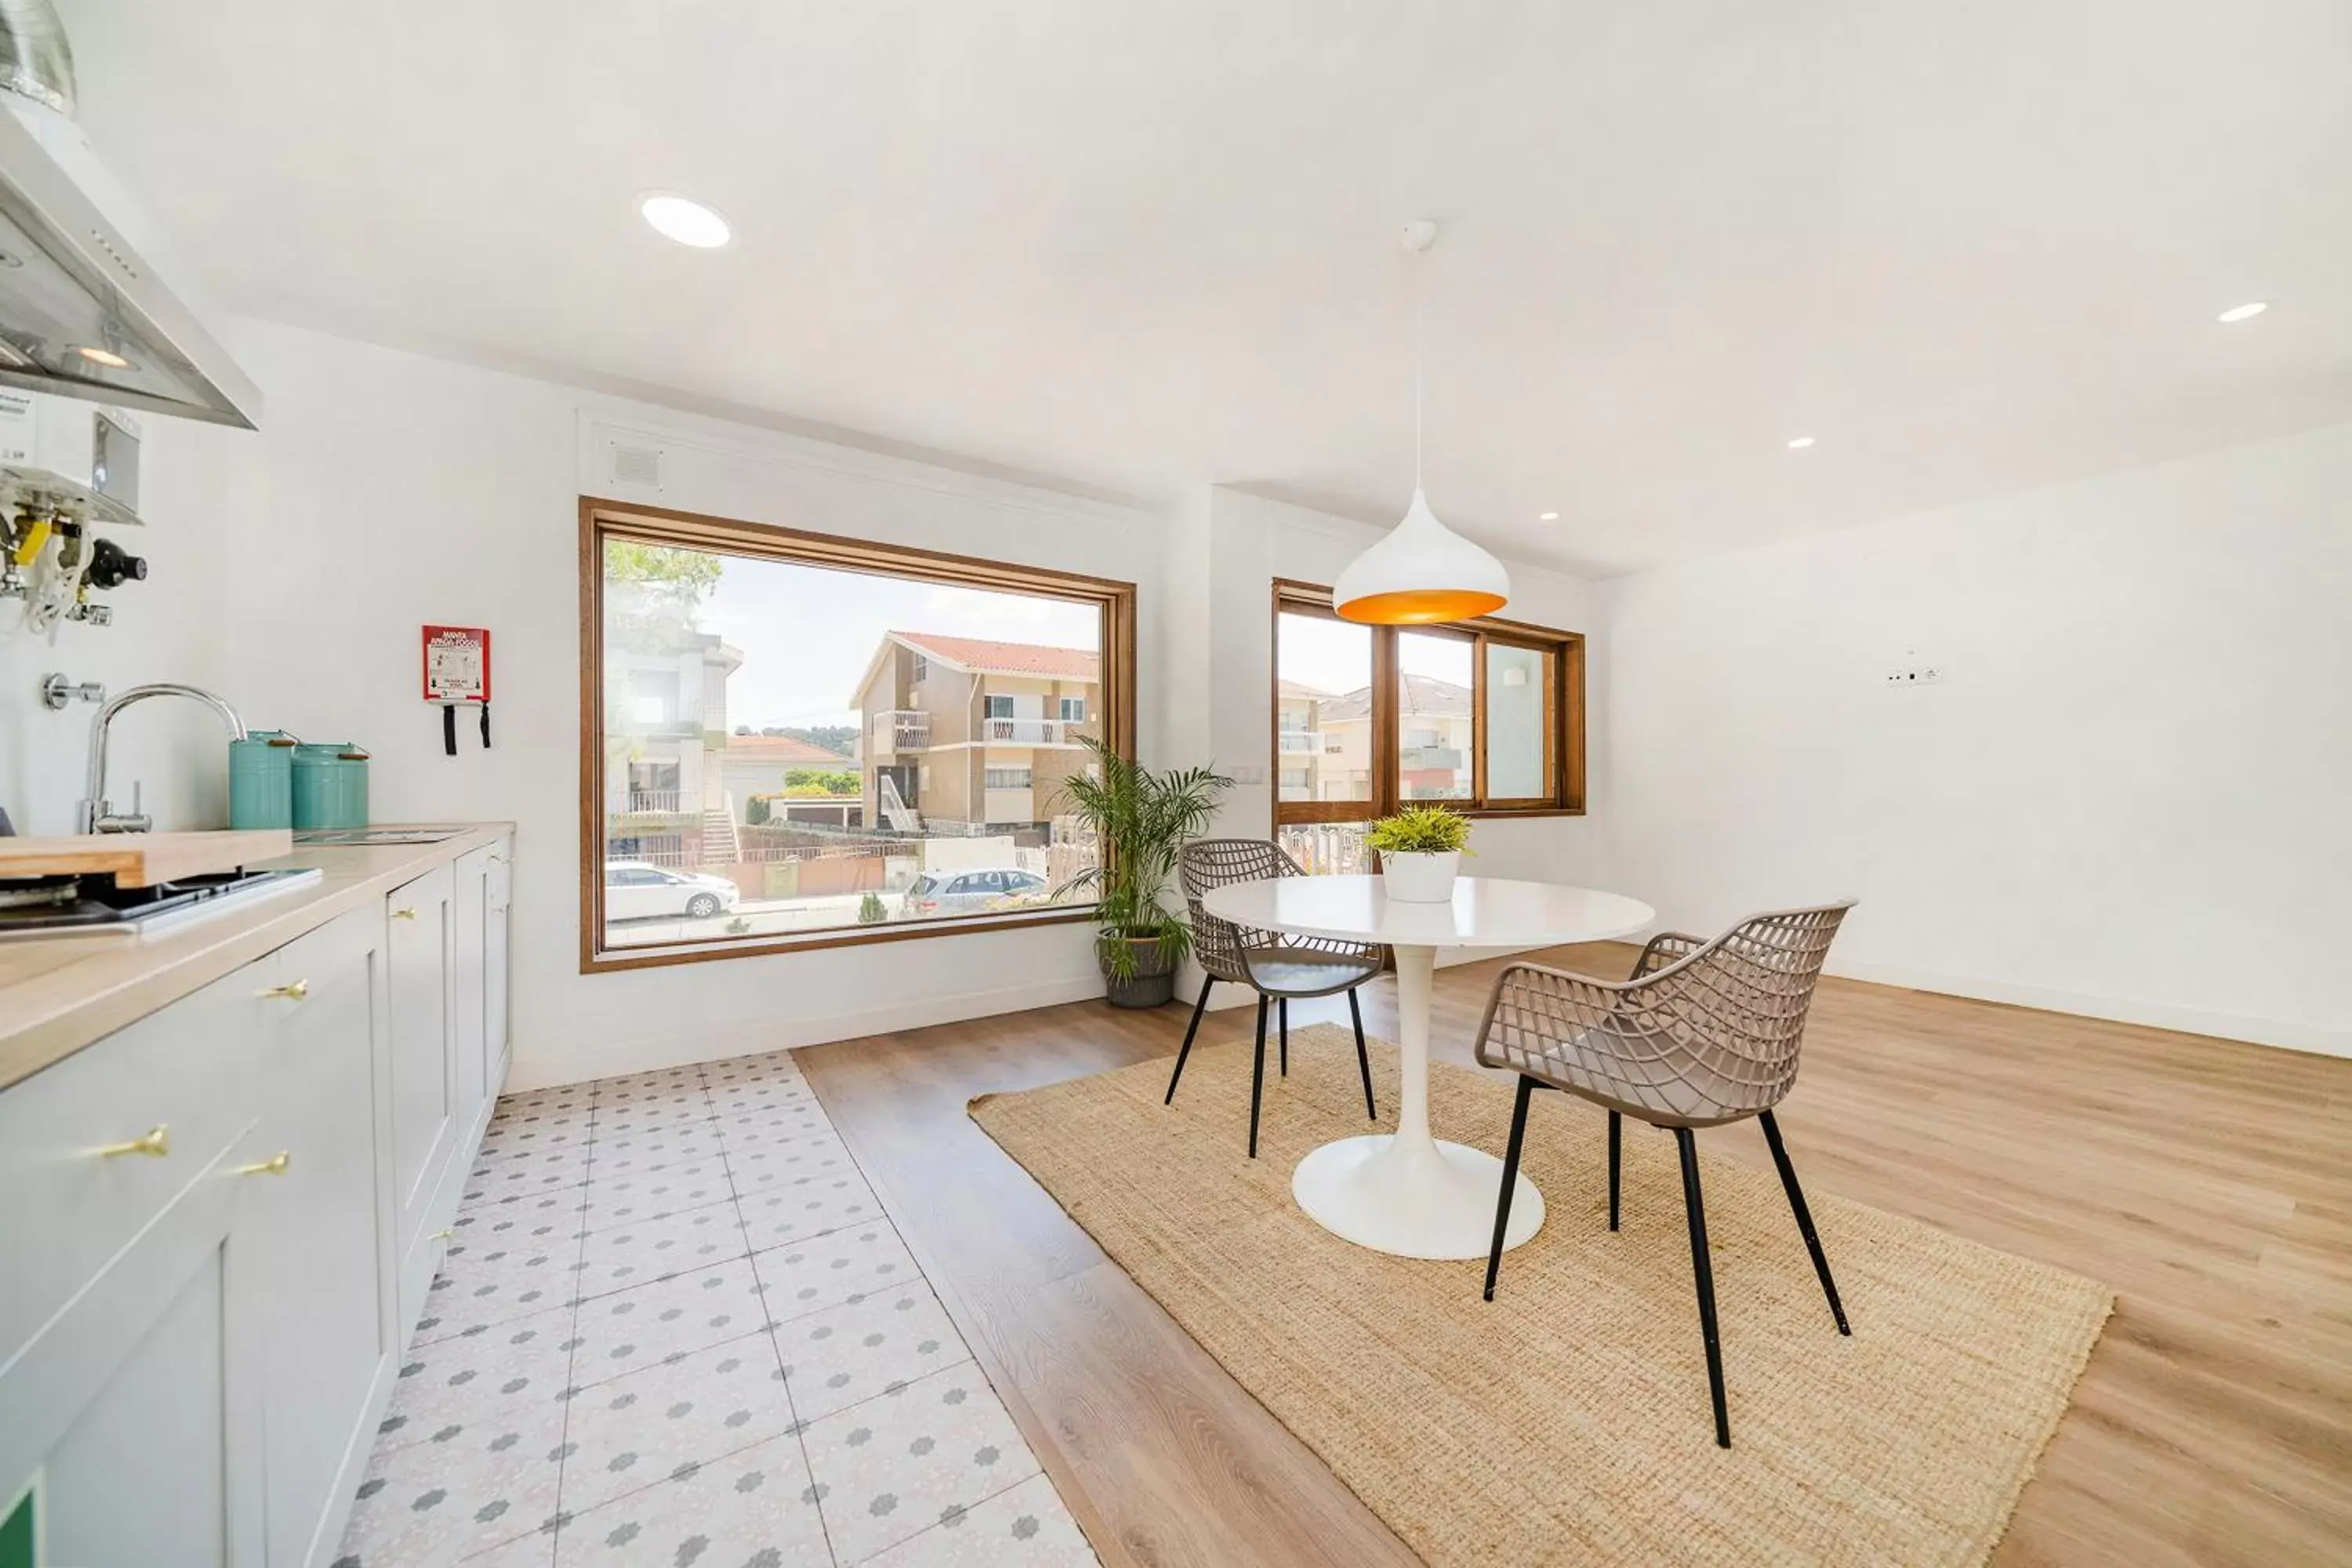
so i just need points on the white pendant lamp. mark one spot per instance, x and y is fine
(1424, 571)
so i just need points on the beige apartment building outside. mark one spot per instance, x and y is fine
(1323, 742)
(962, 733)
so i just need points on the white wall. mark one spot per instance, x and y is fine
(2130, 796)
(169, 627)
(391, 489)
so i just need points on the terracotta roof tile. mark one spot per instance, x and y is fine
(1008, 657)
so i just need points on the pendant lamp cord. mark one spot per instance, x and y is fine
(1416, 370)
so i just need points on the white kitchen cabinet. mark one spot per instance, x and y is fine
(312, 1275)
(425, 1112)
(133, 1414)
(198, 1340)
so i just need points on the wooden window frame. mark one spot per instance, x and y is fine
(601, 519)
(1563, 701)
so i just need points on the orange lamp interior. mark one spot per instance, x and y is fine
(1420, 606)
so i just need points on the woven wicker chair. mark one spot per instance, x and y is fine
(1703, 1033)
(1277, 967)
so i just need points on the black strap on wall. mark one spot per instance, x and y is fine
(449, 728)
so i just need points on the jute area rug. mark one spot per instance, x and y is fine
(1568, 1422)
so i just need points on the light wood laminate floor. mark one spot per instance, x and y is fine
(2208, 1183)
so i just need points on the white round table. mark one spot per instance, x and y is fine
(1406, 1193)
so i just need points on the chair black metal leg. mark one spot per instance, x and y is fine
(1282, 1010)
(1616, 1136)
(1510, 1179)
(1190, 1029)
(1804, 1219)
(1363, 1060)
(1257, 1077)
(1705, 1274)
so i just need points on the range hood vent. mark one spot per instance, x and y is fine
(83, 311)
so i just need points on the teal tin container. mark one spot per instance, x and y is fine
(261, 780)
(331, 786)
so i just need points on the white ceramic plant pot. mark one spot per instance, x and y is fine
(1420, 878)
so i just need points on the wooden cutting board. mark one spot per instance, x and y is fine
(142, 859)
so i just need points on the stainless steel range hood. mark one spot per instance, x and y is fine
(83, 309)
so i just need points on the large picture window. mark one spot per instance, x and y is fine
(1486, 716)
(792, 740)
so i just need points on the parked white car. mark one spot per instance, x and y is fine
(972, 893)
(635, 890)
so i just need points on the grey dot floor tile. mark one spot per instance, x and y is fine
(640, 1428)
(799, 1209)
(645, 1251)
(748, 1510)
(842, 1354)
(439, 1501)
(512, 1373)
(630, 1329)
(1026, 1526)
(894, 1466)
(843, 1265)
(626, 1199)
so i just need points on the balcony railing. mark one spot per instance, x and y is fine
(900, 730)
(1029, 731)
(652, 800)
(1426, 759)
(1301, 742)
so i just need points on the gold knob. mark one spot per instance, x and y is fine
(498, 860)
(155, 1143)
(293, 990)
(273, 1166)
(403, 914)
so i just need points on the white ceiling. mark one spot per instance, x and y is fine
(1140, 245)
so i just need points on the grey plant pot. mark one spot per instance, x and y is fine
(1155, 978)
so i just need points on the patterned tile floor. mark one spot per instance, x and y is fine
(674, 1329)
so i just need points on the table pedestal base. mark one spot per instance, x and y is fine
(1414, 1198)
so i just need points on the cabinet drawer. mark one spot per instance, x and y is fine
(189, 1071)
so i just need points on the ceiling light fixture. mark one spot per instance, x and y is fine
(106, 357)
(683, 220)
(1800, 443)
(1547, 517)
(2244, 312)
(1424, 571)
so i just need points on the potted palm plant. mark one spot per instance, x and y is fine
(1420, 852)
(1140, 820)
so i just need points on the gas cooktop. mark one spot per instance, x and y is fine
(94, 906)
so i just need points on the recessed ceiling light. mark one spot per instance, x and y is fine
(685, 220)
(1547, 517)
(1800, 443)
(106, 357)
(2246, 311)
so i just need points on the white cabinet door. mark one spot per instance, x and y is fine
(469, 980)
(312, 1272)
(131, 1418)
(423, 1086)
(498, 889)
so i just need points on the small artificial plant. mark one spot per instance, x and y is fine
(1421, 830)
(1140, 820)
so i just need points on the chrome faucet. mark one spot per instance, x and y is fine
(94, 815)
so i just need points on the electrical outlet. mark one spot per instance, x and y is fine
(1915, 675)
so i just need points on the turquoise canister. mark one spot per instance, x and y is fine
(331, 786)
(261, 780)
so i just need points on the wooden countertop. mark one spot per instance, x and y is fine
(61, 993)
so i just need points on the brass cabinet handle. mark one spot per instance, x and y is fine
(293, 990)
(403, 914)
(155, 1143)
(273, 1166)
(498, 860)
(441, 1236)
